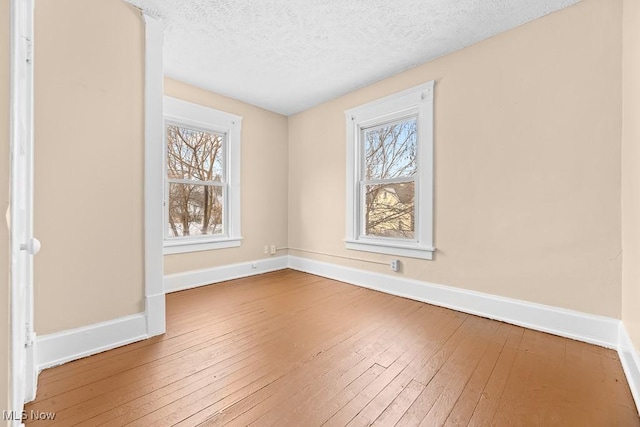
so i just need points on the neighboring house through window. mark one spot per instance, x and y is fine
(202, 180)
(390, 174)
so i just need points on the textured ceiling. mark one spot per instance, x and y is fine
(289, 55)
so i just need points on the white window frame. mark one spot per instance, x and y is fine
(413, 102)
(195, 116)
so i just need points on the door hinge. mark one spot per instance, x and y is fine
(29, 43)
(28, 338)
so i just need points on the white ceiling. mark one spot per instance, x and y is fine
(289, 55)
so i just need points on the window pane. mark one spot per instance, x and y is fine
(194, 210)
(390, 150)
(194, 154)
(390, 210)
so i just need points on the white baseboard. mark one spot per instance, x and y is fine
(193, 279)
(32, 371)
(630, 363)
(155, 314)
(61, 347)
(580, 326)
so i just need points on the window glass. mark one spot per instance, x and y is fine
(195, 210)
(390, 210)
(194, 154)
(390, 150)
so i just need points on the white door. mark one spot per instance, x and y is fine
(23, 244)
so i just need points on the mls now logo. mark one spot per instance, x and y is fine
(30, 415)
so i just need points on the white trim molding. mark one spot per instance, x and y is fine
(153, 174)
(415, 103)
(195, 116)
(155, 309)
(630, 360)
(193, 279)
(65, 346)
(192, 245)
(576, 325)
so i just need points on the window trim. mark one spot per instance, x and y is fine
(195, 116)
(415, 101)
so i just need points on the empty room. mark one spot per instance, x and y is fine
(307, 213)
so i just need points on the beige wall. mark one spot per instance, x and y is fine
(631, 170)
(89, 136)
(4, 203)
(263, 178)
(527, 155)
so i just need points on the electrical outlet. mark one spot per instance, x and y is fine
(395, 265)
(266, 249)
(273, 249)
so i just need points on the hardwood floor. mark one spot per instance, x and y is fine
(292, 349)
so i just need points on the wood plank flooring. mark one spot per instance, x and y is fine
(293, 349)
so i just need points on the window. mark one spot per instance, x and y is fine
(202, 180)
(390, 174)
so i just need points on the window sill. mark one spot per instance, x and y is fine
(184, 246)
(391, 249)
